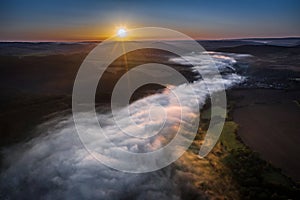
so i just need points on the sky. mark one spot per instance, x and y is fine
(36, 20)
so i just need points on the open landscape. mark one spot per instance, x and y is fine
(149, 100)
(260, 135)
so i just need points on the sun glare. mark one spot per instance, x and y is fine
(122, 32)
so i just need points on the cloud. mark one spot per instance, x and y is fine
(55, 165)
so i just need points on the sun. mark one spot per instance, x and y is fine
(122, 32)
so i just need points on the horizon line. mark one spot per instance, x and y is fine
(198, 39)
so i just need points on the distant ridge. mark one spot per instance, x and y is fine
(260, 50)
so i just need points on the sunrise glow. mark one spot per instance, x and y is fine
(122, 32)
